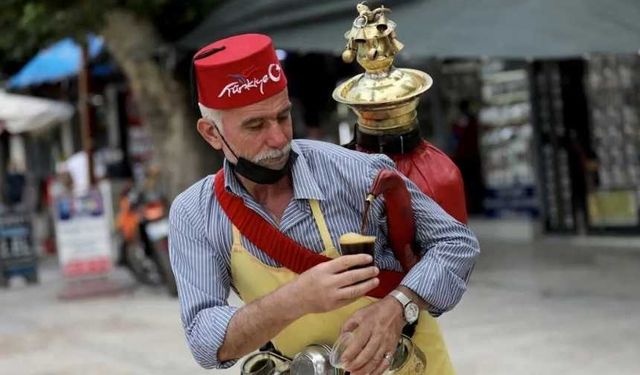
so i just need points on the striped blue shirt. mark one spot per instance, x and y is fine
(200, 238)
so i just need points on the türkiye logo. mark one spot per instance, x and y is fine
(242, 83)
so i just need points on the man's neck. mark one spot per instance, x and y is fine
(274, 197)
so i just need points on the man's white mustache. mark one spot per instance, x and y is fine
(272, 154)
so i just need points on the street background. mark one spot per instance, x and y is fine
(537, 103)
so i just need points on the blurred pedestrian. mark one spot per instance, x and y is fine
(466, 155)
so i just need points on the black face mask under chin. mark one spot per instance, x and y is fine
(257, 173)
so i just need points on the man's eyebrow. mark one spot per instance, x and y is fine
(259, 118)
(250, 120)
(286, 109)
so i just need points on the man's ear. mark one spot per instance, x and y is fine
(208, 131)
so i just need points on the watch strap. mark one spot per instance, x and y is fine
(401, 297)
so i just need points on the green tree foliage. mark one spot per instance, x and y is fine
(29, 25)
(135, 32)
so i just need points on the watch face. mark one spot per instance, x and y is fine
(411, 312)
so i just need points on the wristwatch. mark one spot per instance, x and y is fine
(410, 309)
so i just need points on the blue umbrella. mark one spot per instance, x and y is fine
(59, 61)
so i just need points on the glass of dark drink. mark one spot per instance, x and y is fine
(355, 243)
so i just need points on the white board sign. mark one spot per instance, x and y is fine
(83, 235)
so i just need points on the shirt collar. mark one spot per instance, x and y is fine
(304, 183)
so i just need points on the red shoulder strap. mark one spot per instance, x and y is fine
(279, 247)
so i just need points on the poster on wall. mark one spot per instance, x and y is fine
(83, 235)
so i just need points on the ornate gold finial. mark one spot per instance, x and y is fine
(384, 97)
(372, 39)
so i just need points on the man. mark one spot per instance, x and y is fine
(312, 192)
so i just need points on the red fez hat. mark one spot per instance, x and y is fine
(238, 71)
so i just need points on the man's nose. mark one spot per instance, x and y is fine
(278, 136)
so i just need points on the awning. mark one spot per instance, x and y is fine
(234, 17)
(57, 62)
(20, 113)
(442, 28)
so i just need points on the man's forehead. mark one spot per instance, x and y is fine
(267, 107)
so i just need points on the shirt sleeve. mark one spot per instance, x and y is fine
(203, 280)
(448, 248)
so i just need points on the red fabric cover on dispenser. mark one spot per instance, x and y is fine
(436, 175)
(401, 224)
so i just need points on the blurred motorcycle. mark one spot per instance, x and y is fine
(144, 231)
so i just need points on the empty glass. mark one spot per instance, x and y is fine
(338, 349)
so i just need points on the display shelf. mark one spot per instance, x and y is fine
(506, 142)
(613, 84)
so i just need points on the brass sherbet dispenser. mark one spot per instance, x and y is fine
(383, 97)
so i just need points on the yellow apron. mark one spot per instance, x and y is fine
(254, 279)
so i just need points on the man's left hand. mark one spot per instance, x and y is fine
(376, 331)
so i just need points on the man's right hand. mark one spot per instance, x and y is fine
(331, 285)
